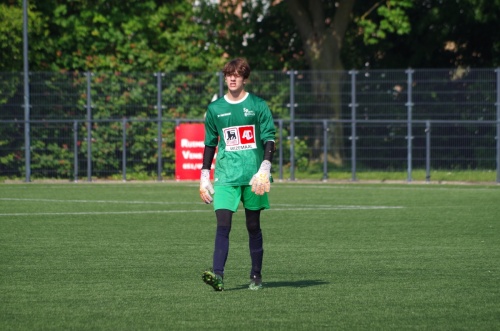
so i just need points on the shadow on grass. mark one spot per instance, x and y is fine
(297, 284)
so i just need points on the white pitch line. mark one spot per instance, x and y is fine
(337, 208)
(307, 207)
(198, 211)
(109, 212)
(101, 201)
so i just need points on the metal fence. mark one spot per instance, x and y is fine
(117, 125)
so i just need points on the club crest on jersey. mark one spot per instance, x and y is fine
(239, 138)
(248, 112)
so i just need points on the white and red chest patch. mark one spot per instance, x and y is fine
(239, 138)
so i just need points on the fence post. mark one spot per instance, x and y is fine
(159, 109)
(292, 106)
(27, 134)
(124, 149)
(75, 150)
(89, 128)
(498, 124)
(427, 151)
(409, 105)
(325, 150)
(280, 125)
(353, 136)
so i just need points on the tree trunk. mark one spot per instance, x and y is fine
(322, 38)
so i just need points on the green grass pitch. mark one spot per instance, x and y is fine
(129, 256)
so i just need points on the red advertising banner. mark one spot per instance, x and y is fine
(189, 146)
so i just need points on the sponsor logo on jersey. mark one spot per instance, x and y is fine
(239, 138)
(248, 112)
(225, 114)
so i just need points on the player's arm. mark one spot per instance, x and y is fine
(261, 180)
(206, 187)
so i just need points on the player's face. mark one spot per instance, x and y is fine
(235, 82)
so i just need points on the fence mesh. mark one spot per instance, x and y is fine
(329, 120)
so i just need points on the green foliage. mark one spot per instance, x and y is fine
(11, 36)
(184, 44)
(121, 104)
(302, 153)
(129, 36)
(273, 87)
(51, 160)
(153, 36)
(391, 17)
(112, 39)
(262, 33)
(449, 34)
(9, 85)
(106, 35)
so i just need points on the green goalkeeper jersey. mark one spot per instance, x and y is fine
(240, 130)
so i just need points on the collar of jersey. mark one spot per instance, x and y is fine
(236, 102)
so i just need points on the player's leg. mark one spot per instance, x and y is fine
(215, 277)
(221, 249)
(226, 200)
(255, 244)
(253, 205)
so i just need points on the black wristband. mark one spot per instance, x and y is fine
(269, 149)
(208, 157)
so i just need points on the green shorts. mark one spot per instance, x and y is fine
(229, 197)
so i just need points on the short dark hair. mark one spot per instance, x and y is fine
(237, 66)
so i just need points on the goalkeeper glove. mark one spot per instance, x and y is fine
(260, 181)
(206, 187)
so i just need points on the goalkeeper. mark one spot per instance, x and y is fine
(240, 124)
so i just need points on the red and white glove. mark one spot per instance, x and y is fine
(206, 187)
(260, 181)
